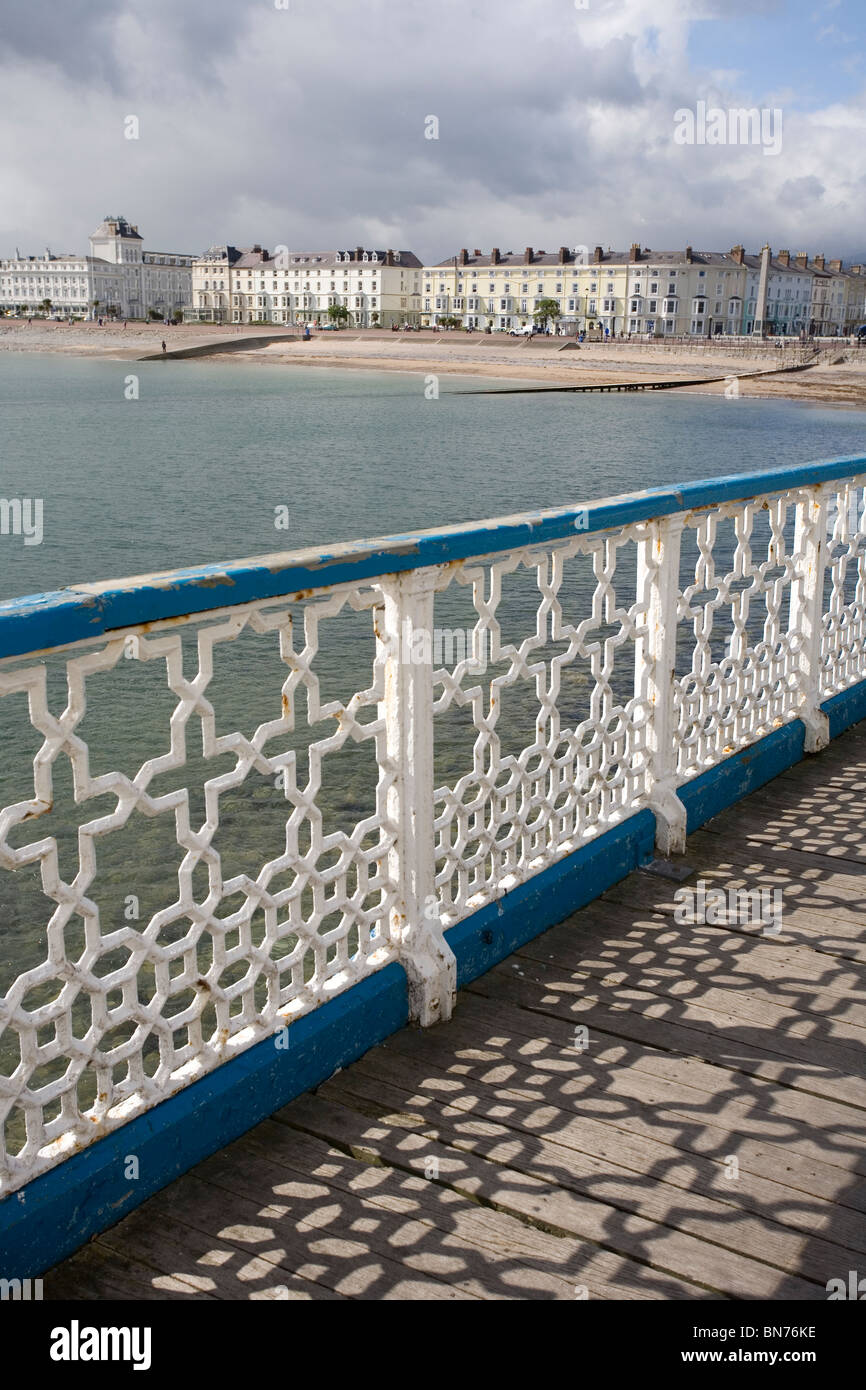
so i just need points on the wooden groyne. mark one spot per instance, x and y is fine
(637, 385)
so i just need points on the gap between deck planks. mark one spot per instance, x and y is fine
(490, 1159)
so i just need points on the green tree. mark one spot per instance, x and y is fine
(45, 306)
(545, 310)
(338, 314)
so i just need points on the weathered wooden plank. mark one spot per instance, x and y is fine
(613, 1091)
(732, 945)
(695, 971)
(207, 1262)
(690, 949)
(598, 1159)
(526, 1093)
(299, 1232)
(834, 887)
(809, 920)
(551, 1207)
(489, 1252)
(638, 1131)
(96, 1272)
(761, 822)
(642, 1018)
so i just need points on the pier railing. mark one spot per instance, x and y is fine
(354, 751)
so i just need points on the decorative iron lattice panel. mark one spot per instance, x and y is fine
(113, 1018)
(740, 653)
(533, 789)
(843, 629)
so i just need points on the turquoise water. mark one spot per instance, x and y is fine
(192, 472)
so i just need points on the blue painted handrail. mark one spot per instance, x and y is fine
(38, 622)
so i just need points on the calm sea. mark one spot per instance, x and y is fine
(192, 471)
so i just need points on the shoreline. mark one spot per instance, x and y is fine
(552, 361)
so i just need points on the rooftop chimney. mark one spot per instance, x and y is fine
(527, 256)
(563, 255)
(688, 255)
(359, 252)
(476, 252)
(801, 260)
(634, 252)
(494, 256)
(389, 257)
(819, 262)
(463, 258)
(836, 266)
(738, 254)
(598, 255)
(784, 258)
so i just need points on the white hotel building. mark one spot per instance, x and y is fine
(298, 287)
(118, 278)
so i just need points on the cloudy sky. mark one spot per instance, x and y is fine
(306, 123)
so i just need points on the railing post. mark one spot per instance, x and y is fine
(658, 586)
(406, 644)
(806, 612)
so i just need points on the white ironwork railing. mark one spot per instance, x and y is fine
(251, 787)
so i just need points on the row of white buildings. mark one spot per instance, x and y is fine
(118, 278)
(663, 293)
(375, 287)
(639, 291)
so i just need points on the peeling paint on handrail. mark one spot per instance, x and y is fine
(39, 622)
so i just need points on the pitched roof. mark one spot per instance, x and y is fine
(116, 226)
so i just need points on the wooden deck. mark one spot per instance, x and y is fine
(488, 1158)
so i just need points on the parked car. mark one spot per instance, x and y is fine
(526, 331)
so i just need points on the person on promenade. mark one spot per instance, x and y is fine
(163, 345)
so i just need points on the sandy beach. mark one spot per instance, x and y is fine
(838, 379)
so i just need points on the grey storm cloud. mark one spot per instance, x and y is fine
(306, 125)
(78, 37)
(803, 191)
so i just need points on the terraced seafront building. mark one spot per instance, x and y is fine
(375, 287)
(642, 291)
